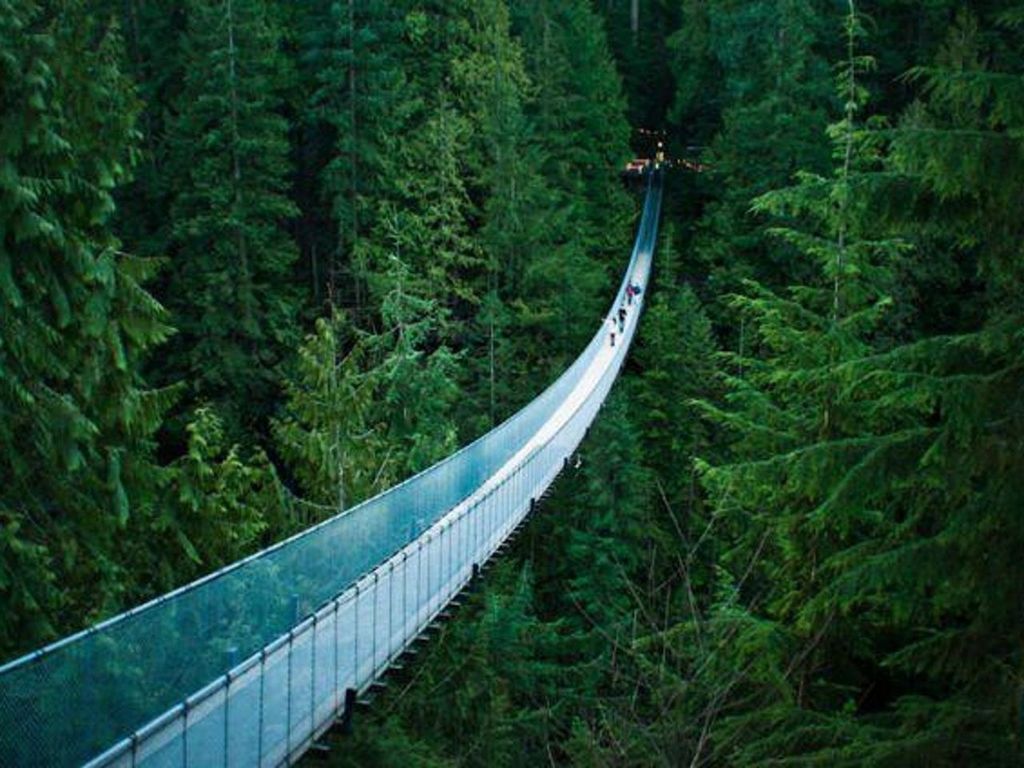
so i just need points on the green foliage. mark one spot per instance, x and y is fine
(230, 284)
(676, 354)
(579, 226)
(352, 56)
(413, 376)
(427, 227)
(153, 59)
(221, 504)
(771, 101)
(367, 410)
(326, 433)
(76, 422)
(864, 493)
(516, 224)
(641, 50)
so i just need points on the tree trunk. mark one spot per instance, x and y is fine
(245, 292)
(490, 352)
(353, 153)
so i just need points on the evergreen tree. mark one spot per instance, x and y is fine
(221, 505)
(414, 373)
(608, 545)
(949, 569)
(697, 103)
(515, 223)
(576, 112)
(76, 420)
(860, 497)
(369, 408)
(152, 57)
(675, 353)
(327, 431)
(774, 98)
(353, 50)
(427, 225)
(230, 286)
(637, 31)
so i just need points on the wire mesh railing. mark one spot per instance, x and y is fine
(248, 665)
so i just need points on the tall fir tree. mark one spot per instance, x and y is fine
(505, 177)
(675, 355)
(637, 31)
(230, 288)
(861, 497)
(152, 57)
(327, 431)
(76, 420)
(577, 115)
(773, 98)
(352, 56)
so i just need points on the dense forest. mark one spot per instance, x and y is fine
(260, 260)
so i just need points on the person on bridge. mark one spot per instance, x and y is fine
(612, 321)
(622, 319)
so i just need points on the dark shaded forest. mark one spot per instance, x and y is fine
(261, 260)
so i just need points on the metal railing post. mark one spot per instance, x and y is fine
(448, 570)
(419, 579)
(405, 595)
(355, 638)
(312, 677)
(288, 704)
(430, 541)
(391, 604)
(337, 654)
(184, 734)
(373, 639)
(263, 679)
(227, 716)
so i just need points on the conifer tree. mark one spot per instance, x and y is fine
(370, 407)
(152, 58)
(614, 526)
(773, 99)
(426, 225)
(505, 175)
(76, 421)
(578, 115)
(949, 569)
(675, 354)
(576, 112)
(360, 93)
(222, 504)
(859, 484)
(637, 32)
(230, 287)
(413, 370)
(327, 432)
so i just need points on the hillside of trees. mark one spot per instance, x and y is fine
(260, 260)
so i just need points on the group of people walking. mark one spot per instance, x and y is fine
(618, 320)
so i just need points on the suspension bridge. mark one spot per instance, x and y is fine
(252, 664)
